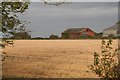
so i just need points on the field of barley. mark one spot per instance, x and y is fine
(51, 58)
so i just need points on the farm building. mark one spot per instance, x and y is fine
(76, 33)
(111, 31)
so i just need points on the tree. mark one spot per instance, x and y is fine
(10, 20)
(10, 10)
(119, 45)
(53, 36)
(50, 2)
(22, 35)
(99, 35)
(111, 36)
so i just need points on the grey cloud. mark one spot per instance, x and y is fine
(46, 19)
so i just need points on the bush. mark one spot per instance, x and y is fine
(106, 62)
(86, 37)
(22, 35)
(98, 35)
(53, 37)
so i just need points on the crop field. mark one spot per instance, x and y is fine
(51, 58)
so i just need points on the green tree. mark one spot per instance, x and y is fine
(10, 11)
(111, 36)
(98, 35)
(22, 35)
(10, 20)
(53, 36)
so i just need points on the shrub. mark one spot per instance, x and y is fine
(53, 36)
(106, 62)
(86, 37)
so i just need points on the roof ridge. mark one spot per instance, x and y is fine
(74, 30)
(77, 28)
(112, 27)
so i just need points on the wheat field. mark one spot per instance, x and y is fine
(51, 58)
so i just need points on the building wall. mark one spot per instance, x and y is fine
(106, 33)
(89, 32)
(77, 35)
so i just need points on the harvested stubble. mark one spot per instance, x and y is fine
(51, 58)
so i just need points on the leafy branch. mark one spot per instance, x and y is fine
(106, 62)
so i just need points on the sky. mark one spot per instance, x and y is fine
(48, 19)
(79, 0)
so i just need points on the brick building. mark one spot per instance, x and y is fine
(76, 33)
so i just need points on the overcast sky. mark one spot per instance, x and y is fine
(47, 19)
(78, 0)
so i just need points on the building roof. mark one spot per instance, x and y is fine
(71, 30)
(114, 27)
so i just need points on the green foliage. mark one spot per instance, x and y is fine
(112, 36)
(99, 35)
(9, 18)
(86, 37)
(118, 22)
(49, 2)
(66, 35)
(22, 35)
(106, 62)
(2, 46)
(10, 12)
(53, 36)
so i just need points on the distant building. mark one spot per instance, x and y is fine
(111, 31)
(76, 33)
